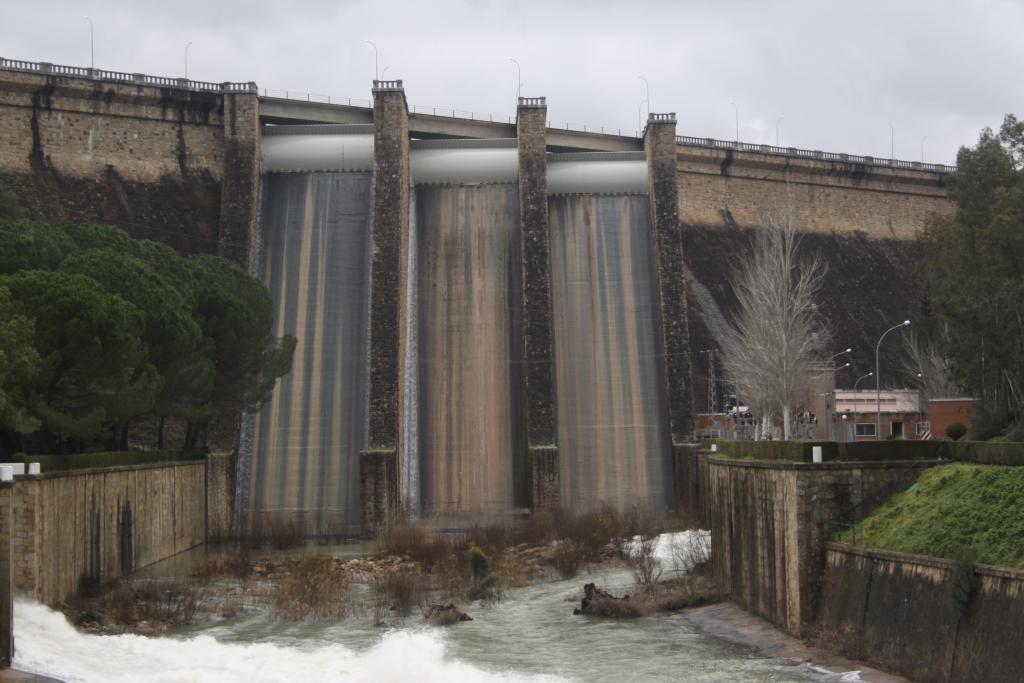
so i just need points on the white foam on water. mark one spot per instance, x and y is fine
(48, 644)
(676, 549)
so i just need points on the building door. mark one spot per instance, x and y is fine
(897, 428)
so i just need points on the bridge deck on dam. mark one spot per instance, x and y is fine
(278, 110)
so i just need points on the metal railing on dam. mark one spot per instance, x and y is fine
(452, 113)
(812, 154)
(123, 77)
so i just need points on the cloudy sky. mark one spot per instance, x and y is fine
(843, 76)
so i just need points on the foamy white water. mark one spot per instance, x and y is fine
(530, 636)
(48, 644)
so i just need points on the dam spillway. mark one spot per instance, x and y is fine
(613, 428)
(315, 262)
(445, 304)
(470, 450)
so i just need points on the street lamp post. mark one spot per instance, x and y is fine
(847, 350)
(736, 109)
(519, 79)
(830, 400)
(855, 385)
(639, 126)
(92, 45)
(647, 93)
(878, 380)
(777, 122)
(186, 58)
(376, 60)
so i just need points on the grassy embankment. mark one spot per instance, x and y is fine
(964, 512)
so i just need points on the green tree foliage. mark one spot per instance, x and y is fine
(94, 372)
(956, 431)
(19, 364)
(974, 270)
(173, 339)
(31, 245)
(97, 328)
(236, 316)
(8, 203)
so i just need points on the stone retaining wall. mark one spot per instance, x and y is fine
(927, 618)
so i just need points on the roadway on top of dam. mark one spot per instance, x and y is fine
(279, 110)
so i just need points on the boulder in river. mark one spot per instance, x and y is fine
(600, 603)
(445, 615)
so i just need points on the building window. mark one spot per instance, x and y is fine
(865, 429)
(897, 428)
(923, 427)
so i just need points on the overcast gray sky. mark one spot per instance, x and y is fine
(837, 73)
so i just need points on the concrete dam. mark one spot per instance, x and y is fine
(464, 449)
(493, 315)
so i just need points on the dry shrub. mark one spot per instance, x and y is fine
(688, 591)
(276, 532)
(314, 590)
(567, 557)
(171, 603)
(238, 565)
(402, 589)
(646, 568)
(417, 544)
(693, 553)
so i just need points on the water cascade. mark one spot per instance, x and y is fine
(316, 227)
(471, 460)
(614, 443)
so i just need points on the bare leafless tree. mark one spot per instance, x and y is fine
(927, 368)
(776, 335)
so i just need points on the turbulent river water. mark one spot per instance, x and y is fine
(531, 635)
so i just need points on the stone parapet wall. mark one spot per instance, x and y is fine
(99, 525)
(926, 618)
(719, 187)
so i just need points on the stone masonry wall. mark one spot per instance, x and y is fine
(911, 614)
(102, 524)
(145, 158)
(769, 527)
(390, 236)
(220, 494)
(720, 187)
(659, 144)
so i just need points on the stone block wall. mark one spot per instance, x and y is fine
(155, 160)
(721, 187)
(378, 490)
(390, 251)
(910, 614)
(545, 478)
(664, 192)
(6, 583)
(102, 524)
(769, 526)
(220, 494)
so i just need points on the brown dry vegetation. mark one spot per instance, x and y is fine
(413, 568)
(313, 590)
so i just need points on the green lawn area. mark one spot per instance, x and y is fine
(964, 512)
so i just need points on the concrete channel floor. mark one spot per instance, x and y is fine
(727, 620)
(15, 676)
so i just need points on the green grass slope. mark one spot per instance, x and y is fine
(964, 512)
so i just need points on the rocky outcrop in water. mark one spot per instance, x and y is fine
(600, 603)
(445, 615)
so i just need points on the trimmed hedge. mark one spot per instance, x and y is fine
(978, 452)
(84, 461)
